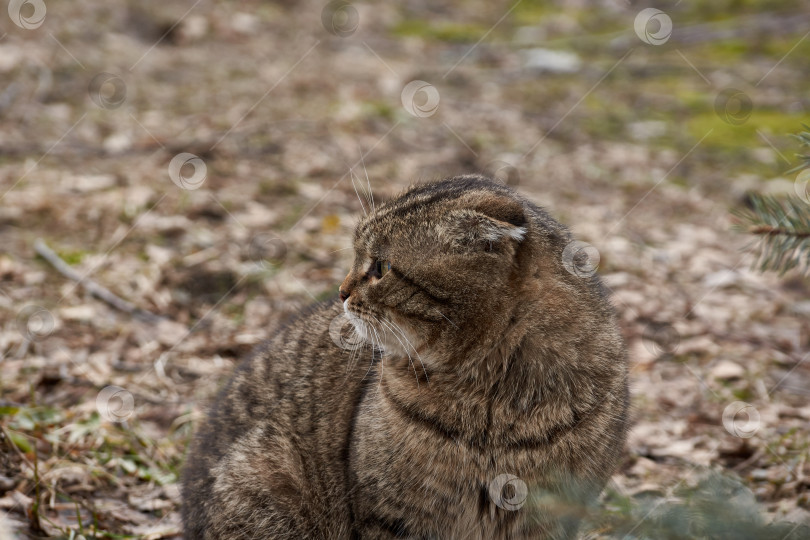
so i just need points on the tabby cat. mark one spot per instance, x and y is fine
(487, 399)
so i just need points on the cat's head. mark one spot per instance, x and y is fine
(451, 265)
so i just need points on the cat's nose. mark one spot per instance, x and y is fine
(343, 295)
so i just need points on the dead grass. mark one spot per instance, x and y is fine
(629, 150)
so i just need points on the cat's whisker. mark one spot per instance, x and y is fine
(416, 352)
(351, 173)
(353, 356)
(413, 364)
(357, 350)
(395, 327)
(369, 202)
(370, 365)
(342, 249)
(372, 333)
(410, 359)
(368, 181)
(382, 359)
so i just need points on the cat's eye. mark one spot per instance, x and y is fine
(381, 268)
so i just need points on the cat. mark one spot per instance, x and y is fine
(486, 395)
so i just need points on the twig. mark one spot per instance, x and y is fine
(775, 231)
(92, 287)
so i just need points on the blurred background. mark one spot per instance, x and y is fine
(179, 178)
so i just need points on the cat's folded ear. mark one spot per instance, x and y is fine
(486, 224)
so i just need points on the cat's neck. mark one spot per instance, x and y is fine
(501, 395)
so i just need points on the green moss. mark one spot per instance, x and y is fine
(379, 109)
(720, 134)
(533, 11)
(714, 10)
(724, 50)
(535, 96)
(441, 31)
(679, 181)
(745, 394)
(278, 188)
(235, 311)
(73, 257)
(296, 211)
(593, 22)
(694, 101)
(610, 126)
(788, 47)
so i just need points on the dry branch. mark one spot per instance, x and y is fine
(102, 293)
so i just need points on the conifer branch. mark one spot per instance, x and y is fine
(781, 225)
(782, 228)
(804, 139)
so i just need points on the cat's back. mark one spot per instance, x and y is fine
(278, 426)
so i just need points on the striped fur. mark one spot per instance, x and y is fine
(496, 361)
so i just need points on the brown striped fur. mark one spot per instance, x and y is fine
(496, 361)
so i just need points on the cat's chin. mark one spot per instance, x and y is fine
(382, 336)
(360, 326)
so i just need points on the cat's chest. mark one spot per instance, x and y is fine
(458, 449)
(403, 460)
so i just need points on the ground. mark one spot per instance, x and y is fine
(194, 160)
